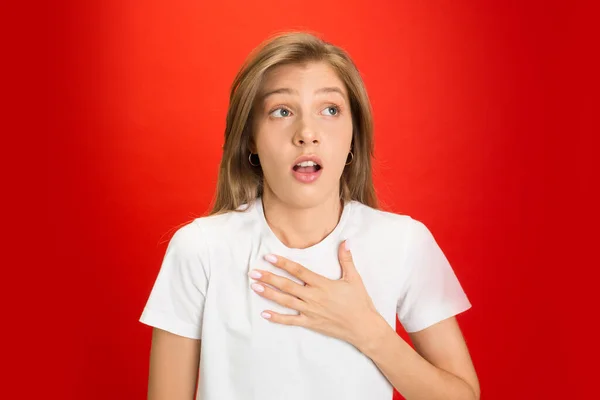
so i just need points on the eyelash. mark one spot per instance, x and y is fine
(337, 107)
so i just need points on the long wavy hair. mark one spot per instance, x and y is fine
(241, 183)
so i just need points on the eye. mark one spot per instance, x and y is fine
(332, 110)
(280, 113)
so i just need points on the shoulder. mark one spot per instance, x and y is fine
(389, 230)
(369, 218)
(216, 228)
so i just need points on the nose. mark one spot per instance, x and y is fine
(306, 134)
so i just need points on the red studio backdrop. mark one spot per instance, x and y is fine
(478, 110)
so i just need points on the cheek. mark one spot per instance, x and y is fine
(342, 137)
(340, 156)
(338, 146)
(344, 130)
(272, 151)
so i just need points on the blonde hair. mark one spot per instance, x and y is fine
(241, 183)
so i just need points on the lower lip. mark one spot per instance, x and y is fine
(307, 177)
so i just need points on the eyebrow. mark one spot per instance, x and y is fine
(331, 89)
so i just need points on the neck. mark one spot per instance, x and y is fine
(301, 227)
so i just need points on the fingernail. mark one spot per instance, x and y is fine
(271, 258)
(347, 244)
(265, 315)
(257, 288)
(255, 274)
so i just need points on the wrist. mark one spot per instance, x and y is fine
(372, 333)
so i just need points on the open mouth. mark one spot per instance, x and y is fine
(306, 167)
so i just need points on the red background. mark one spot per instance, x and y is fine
(481, 113)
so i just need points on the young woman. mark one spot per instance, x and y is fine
(290, 288)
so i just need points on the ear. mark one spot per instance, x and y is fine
(249, 130)
(252, 145)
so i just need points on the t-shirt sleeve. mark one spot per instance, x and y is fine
(432, 291)
(176, 302)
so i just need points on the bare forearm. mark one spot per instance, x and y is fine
(413, 376)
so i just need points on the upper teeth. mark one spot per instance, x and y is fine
(307, 164)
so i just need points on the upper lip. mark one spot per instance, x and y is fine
(308, 157)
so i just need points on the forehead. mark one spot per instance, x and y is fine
(306, 76)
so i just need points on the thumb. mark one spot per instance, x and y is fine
(345, 256)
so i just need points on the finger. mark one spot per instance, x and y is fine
(278, 297)
(295, 269)
(296, 320)
(283, 284)
(345, 257)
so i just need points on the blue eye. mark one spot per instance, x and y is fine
(332, 110)
(282, 113)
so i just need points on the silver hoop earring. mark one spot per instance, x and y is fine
(351, 155)
(250, 160)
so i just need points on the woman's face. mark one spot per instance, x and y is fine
(302, 133)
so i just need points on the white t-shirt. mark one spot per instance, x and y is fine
(203, 292)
